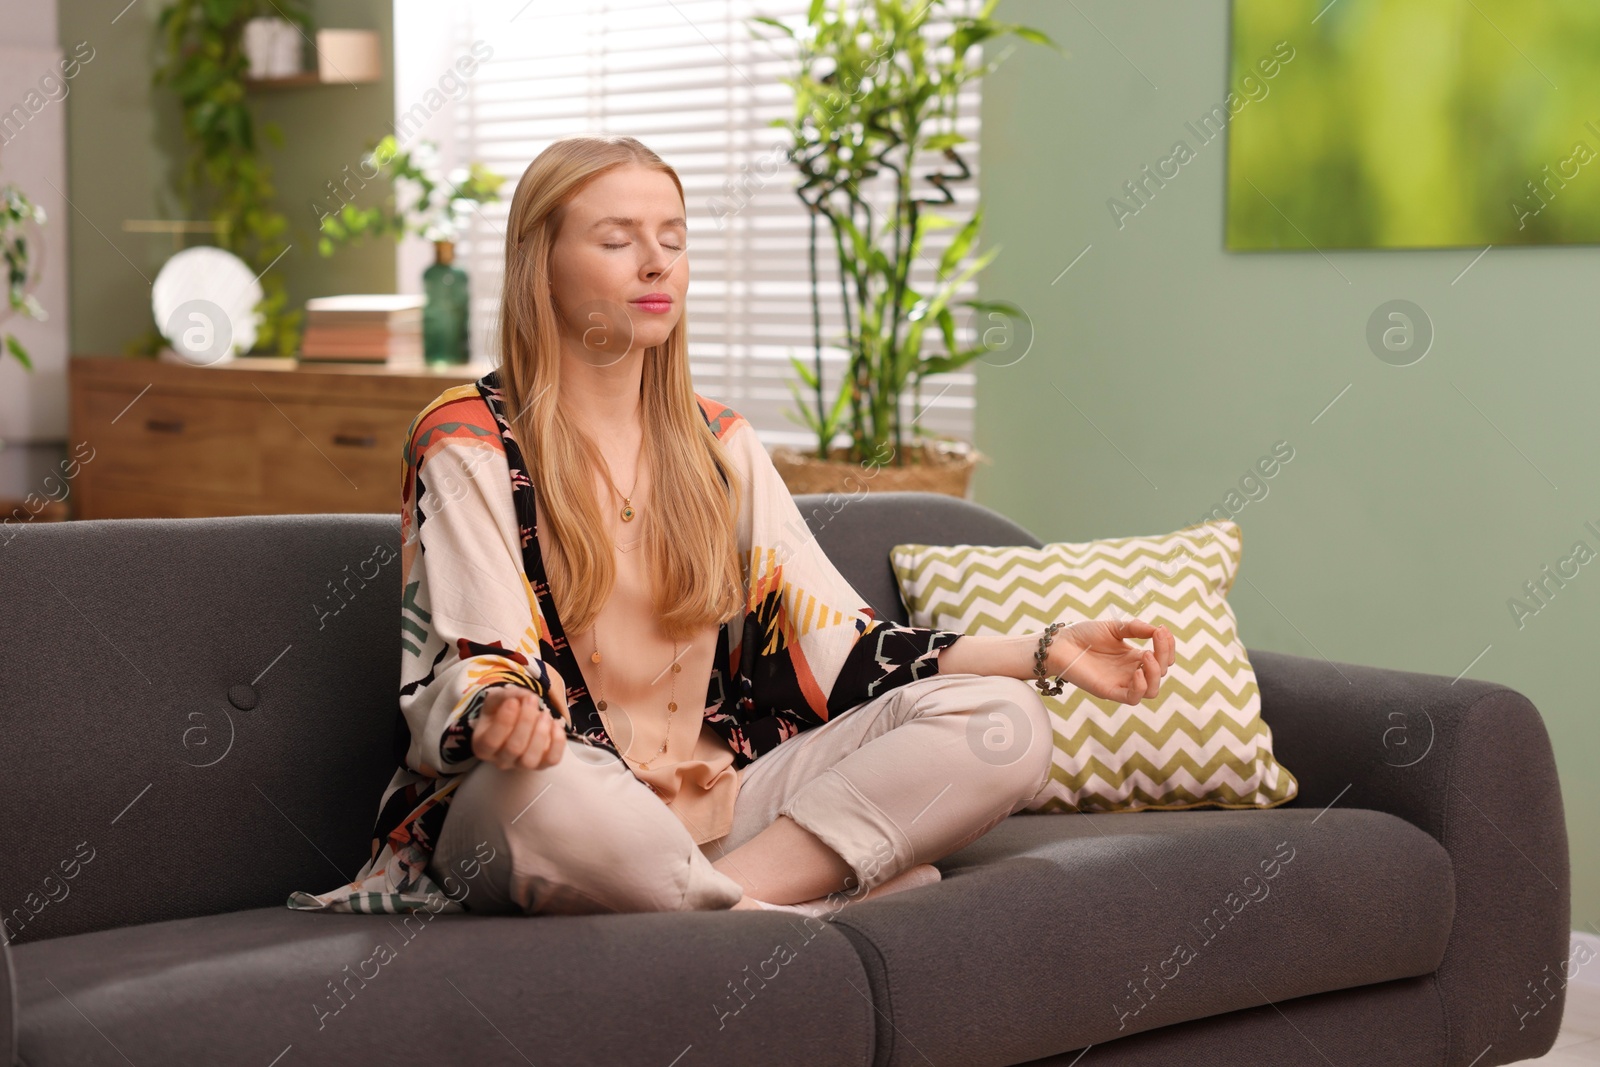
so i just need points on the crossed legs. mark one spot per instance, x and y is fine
(905, 778)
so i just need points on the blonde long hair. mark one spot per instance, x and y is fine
(691, 528)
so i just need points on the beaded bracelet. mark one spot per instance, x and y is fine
(1049, 687)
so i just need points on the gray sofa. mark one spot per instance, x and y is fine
(199, 725)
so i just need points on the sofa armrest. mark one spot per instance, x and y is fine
(1470, 763)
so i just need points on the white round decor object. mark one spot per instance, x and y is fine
(204, 304)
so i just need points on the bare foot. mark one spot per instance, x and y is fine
(910, 878)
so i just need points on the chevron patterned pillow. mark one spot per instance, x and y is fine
(1201, 741)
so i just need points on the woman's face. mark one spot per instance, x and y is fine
(624, 239)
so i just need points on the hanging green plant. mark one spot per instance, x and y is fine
(17, 212)
(205, 64)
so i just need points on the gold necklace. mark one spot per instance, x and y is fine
(672, 703)
(627, 507)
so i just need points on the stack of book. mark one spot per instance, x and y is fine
(364, 328)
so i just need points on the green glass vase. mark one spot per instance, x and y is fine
(444, 310)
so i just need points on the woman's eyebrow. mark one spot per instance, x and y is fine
(623, 221)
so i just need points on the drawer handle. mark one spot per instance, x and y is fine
(356, 440)
(164, 425)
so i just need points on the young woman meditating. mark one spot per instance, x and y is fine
(631, 680)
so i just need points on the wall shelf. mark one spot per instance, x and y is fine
(290, 81)
(343, 57)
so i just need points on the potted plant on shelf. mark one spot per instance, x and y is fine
(17, 215)
(876, 91)
(435, 209)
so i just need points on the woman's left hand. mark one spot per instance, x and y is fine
(1092, 656)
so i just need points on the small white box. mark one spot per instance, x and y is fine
(348, 56)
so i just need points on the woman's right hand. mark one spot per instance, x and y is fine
(514, 729)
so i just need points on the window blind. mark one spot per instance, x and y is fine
(687, 78)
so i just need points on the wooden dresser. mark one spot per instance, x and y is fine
(253, 436)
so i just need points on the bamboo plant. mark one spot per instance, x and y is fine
(876, 90)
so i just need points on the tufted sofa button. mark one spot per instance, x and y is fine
(242, 697)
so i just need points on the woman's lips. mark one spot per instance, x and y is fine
(657, 307)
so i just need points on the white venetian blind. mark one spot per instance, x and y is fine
(686, 78)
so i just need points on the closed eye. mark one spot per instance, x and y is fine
(675, 248)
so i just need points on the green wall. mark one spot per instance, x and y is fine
(1414, 507)
(125, 146)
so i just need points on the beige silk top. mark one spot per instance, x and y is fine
(695, 776)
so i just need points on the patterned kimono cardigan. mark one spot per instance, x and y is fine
(477, 612)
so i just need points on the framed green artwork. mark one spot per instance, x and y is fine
(1413, 124)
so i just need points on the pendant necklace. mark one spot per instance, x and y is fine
(627, 507)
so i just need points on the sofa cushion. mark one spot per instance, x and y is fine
(1200, 740)
(1055, 932)
(1400, 1022)
(615, 989)
(217, 697)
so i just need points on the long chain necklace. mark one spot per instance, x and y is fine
(627, 507)
(672, 702)
(627, 515)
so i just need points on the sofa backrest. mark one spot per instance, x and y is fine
(199, 713)
(857, 533)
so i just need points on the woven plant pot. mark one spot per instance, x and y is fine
(927, 469)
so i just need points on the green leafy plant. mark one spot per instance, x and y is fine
(17, 212)
(877, 89)
(205, 65)
(434, 209)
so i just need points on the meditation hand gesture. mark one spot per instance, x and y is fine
(1092, 656)
(514, 729)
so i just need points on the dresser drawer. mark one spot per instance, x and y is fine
(248, 436)
(324, 457)
(174, 443)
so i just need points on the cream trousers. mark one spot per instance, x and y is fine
(904, 778)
